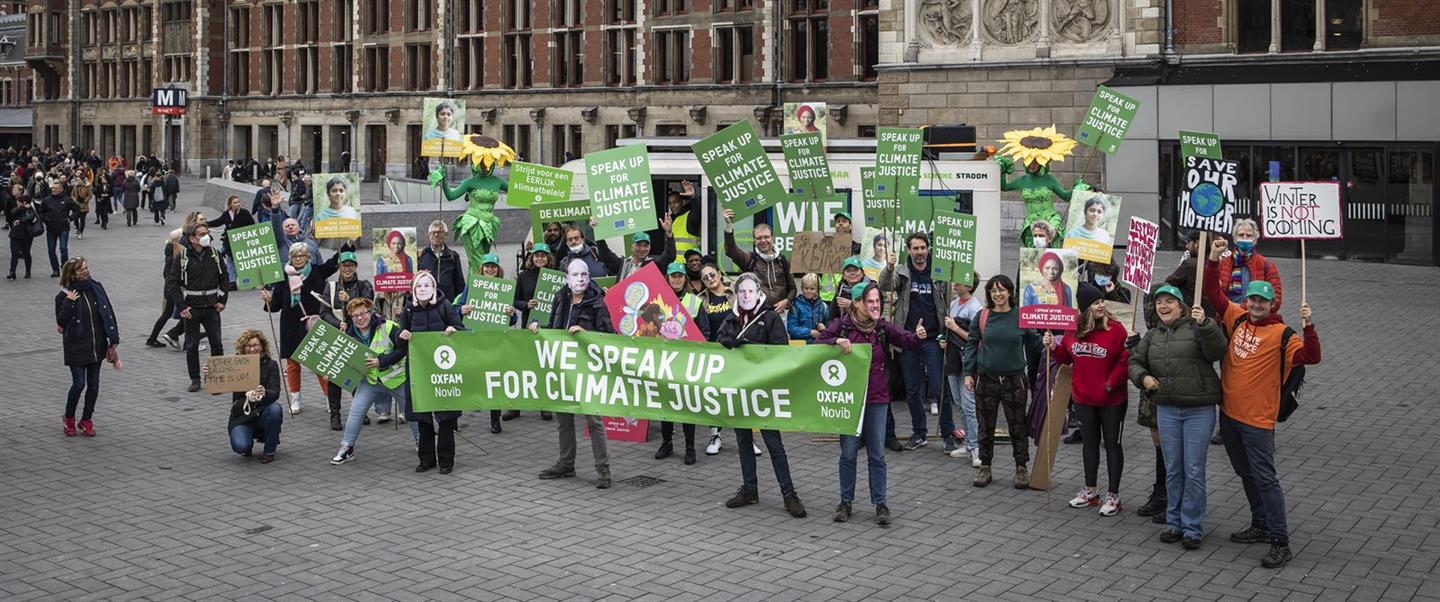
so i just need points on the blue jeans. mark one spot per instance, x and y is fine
(965, 399)
(872, 430)
(62, 237)
(745, 442)
(83, 379)
(242, 437)
(921, 369)
(1184, 441)
(367, 395)
(1252, 455)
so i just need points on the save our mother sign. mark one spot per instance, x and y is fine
(1307, 210)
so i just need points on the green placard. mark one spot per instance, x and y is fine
(547, 285)
(814, 388)
(880, 214)
(1200, 144)
(605, 281)
(331, 353)
(953, 251)
(918, 214)
(621, 198)
(257, 261)
(1107, 120)
(897, 163)
(557, 211)
(530, 183)
(809, 170)
(488, 299)
(738, 169)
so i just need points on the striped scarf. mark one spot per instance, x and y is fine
(1237, 284)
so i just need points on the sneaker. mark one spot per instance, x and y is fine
(1190, 543)
(204, 346)
(1252, 534)
(1153, 506)
(1278, 556)
(714, 447)
(934, 409)
(346, 454)
(982, 476)
(1170, 535)
(951, 449)
(602, 478)
(1022, 480)
(558, 471)
(1073, 438)
(666, 450)
(168, 340)
(842, 512)
(1085, 499)
(882, 515)
(757, 450)
(69, 426)
(1111, 506)
(382, 418)
(916, 442)
(87, 428)
(743, 497)
(975, 457)
(794, 507)
(295, 402)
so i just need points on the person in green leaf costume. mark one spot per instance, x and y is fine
(478, 227)
(1035, 149)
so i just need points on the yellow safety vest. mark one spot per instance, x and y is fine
(684, 241)
(394, 377)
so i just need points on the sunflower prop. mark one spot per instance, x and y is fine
(1040, 145)
(492, 153)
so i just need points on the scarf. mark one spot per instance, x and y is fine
(861, 319)
(83, 286)
(295, 278)
(1241, 259)
(767, 257)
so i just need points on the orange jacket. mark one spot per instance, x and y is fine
(1250, 376)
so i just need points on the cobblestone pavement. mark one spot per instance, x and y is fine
(157, 507)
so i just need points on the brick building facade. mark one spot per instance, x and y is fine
(311, 79)
(15, 81)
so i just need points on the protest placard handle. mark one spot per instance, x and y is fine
(1202, 254)
(276, 339)
(1135, 311)
(1303, 283)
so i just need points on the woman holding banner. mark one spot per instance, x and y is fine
(254, 415)
(297, 299)
(386, 375)
(430, 313)
(862, 324)
(995, 370)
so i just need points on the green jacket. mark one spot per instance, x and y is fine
(1182, 357)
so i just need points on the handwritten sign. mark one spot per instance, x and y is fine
(953, 259)
(819, 252)
(1140, 254)
(1207, 196)
(231, 373)
(1306, 210)
(488, 299)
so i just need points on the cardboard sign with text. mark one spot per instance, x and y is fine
(819, 252)
(1301, 210)
(488, 299)
(739, 170)
(1140, 254)
(1207, 196)
(231, 373)
(621, 198)
(953, 254)
(530, 183)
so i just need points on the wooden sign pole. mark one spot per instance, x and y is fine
(1303, 283)
(1202, 254)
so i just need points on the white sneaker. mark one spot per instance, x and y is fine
(757, 450)
(959, 452)
(714, 447)
(934, 409)
(1087, 497)
(295, 402)
(203, 346)
(346, 454)
(1111, 505)
(975, 457)
(382, 419)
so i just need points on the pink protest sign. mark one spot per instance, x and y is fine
(642, 305)
(1140, 254)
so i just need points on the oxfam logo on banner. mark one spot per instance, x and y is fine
(833, 373)
(1206, 200)
(444, 357)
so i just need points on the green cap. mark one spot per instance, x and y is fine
(675, 268)
(1169, 289)
(489, 258)
(858, 291)
(347, 256)
(641, 237)
(1260, 288)
(844, 214)
(539, 247)
(851, 262)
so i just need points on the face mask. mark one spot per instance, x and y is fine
(578, 282)
(576, 248)
(748, 298)
(1102, 281)
(1040, 241)
(205, 240)
(1245, 245)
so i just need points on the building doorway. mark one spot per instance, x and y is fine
(374, 152)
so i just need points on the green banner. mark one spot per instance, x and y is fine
(557, 211)
(1106, 121)
(329, 352)
(814, 388)
(488, 299)
(809, 170)
(1200, 144)
(257, 261)
(738, 169)
(953, 251)
(897, 163)
(530, 183)
(880, 214)
(620, 191)
(546, 286)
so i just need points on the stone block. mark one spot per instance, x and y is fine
(947, 88)
(894, 77)
(888, 116)
(926, 101)
(894, 102)
(966, 101)
(1054, 99)
(966, 75)
(989, 87)
(1030, 85)
(928, 76)
(1029, 116)
(1007, 100)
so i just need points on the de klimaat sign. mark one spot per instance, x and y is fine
(168, 101)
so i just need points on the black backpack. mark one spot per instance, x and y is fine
(1289, 387)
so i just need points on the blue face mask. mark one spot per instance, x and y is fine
(1245, 245)
(1102, 281)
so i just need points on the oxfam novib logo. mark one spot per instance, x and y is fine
(444, 357)
(1206, 200)
(833, 373)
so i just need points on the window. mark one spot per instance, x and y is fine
(344, 20)
(809, 46)
(89, 28)
(865, 131)
(238, 80)
(518, 137)
(565, 144)
(672, 7)
(307, 51)
(470, 16)
(671, 130)
(377, 68)
(1297, 25)
(240, 27)
(517, 15)
(342, 63)
(272, 37)
(672, 56)
(176, 11)
(1343, 20)
(733, 5)
(620, 57)
(613, 133)
(272, 33)
(567, 62)
(620, 12)
(177, 67)
(417, 15)
(869, 54)
(1252, 20)
(470, 64)
(735, 54)
(376, 19)
(516, 73)
(418, 58)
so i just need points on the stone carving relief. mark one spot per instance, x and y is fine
(946, 22)
(1012, 21)
(1080, 20)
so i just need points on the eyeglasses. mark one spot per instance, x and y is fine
(708, 276)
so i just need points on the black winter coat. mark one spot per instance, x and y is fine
(590, 313)
(766, 328)
(270, 380)
(26, 217)
(433, 317)
(55, 211)
(292, 323)
(87, 324)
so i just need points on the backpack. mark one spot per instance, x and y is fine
(1289, 387)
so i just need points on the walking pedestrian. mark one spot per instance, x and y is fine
(25, 225)
(196, 284)
(56, 211)
(90, 334)
(254, 414)
(80, 193)
(168, 309)
(130, 195)
(995, 370)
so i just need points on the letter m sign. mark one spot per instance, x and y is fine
(167, 101)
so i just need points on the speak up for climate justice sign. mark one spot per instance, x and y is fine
(334, 355)
(488, 299)
(954, 251)
(530, 183)
(897, 163)
(1207, 196)
(1307, 210)
(546, 286)
(1107, 120)
(1200, 144)
(812, 389)
(257, 263)
(620, 195)
(809, 170)
(735, 162)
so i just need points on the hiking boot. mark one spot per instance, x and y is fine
(743, 497)
(335, 424)
(1216, 440)
(1170, 535)
(1022, 480)
(1278, 556)
(1190, 543)
(666, 450)
(69, 426)
(1252, 534)
(1153, 506)
(842, 512)
(882, 515)
(982, 476)
(558, 471)
(794, 507)
(602, 480)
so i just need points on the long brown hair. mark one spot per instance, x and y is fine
(1086, 325)
(67, 271)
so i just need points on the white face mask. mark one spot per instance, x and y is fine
(206, 240)
(578, 277)
(748, 295)
(576, 248)
(1040, 241)
(424, 290)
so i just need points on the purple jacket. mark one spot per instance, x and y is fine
(879, 388)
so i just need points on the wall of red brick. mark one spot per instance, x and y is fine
(1405, 18)
(1198, 22)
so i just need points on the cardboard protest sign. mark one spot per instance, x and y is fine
(621, 198)
(1106, 120)
(442, 120)
(897, 163)
(953, 252)
(1303, 210)
(819, 252)
(1140, 254)
(1090, 228)
(1047, 288)
(642, 305)
(739, 170)
(814, 389)
(530, 183)
(231, 373)
(329, 352)
(541, 213)
(395, 257)
(808, 169)
(488, 297)
(794, 215)
(547, 285)
(257, 261)
(1207, 196)
(801, 117)
(1204, 145)
(337, 205)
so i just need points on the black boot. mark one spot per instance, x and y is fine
(335, 424)
(495, 421)
(1155, 506)
(667, 449)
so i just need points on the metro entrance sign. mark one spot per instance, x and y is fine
(168, 101)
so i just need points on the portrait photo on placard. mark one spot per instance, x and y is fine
(807, 117)
(442, 122)
(337, 205)
(1090, 225)
(1048, 277)
(395, 252)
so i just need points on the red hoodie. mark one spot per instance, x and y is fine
(1100, 361)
